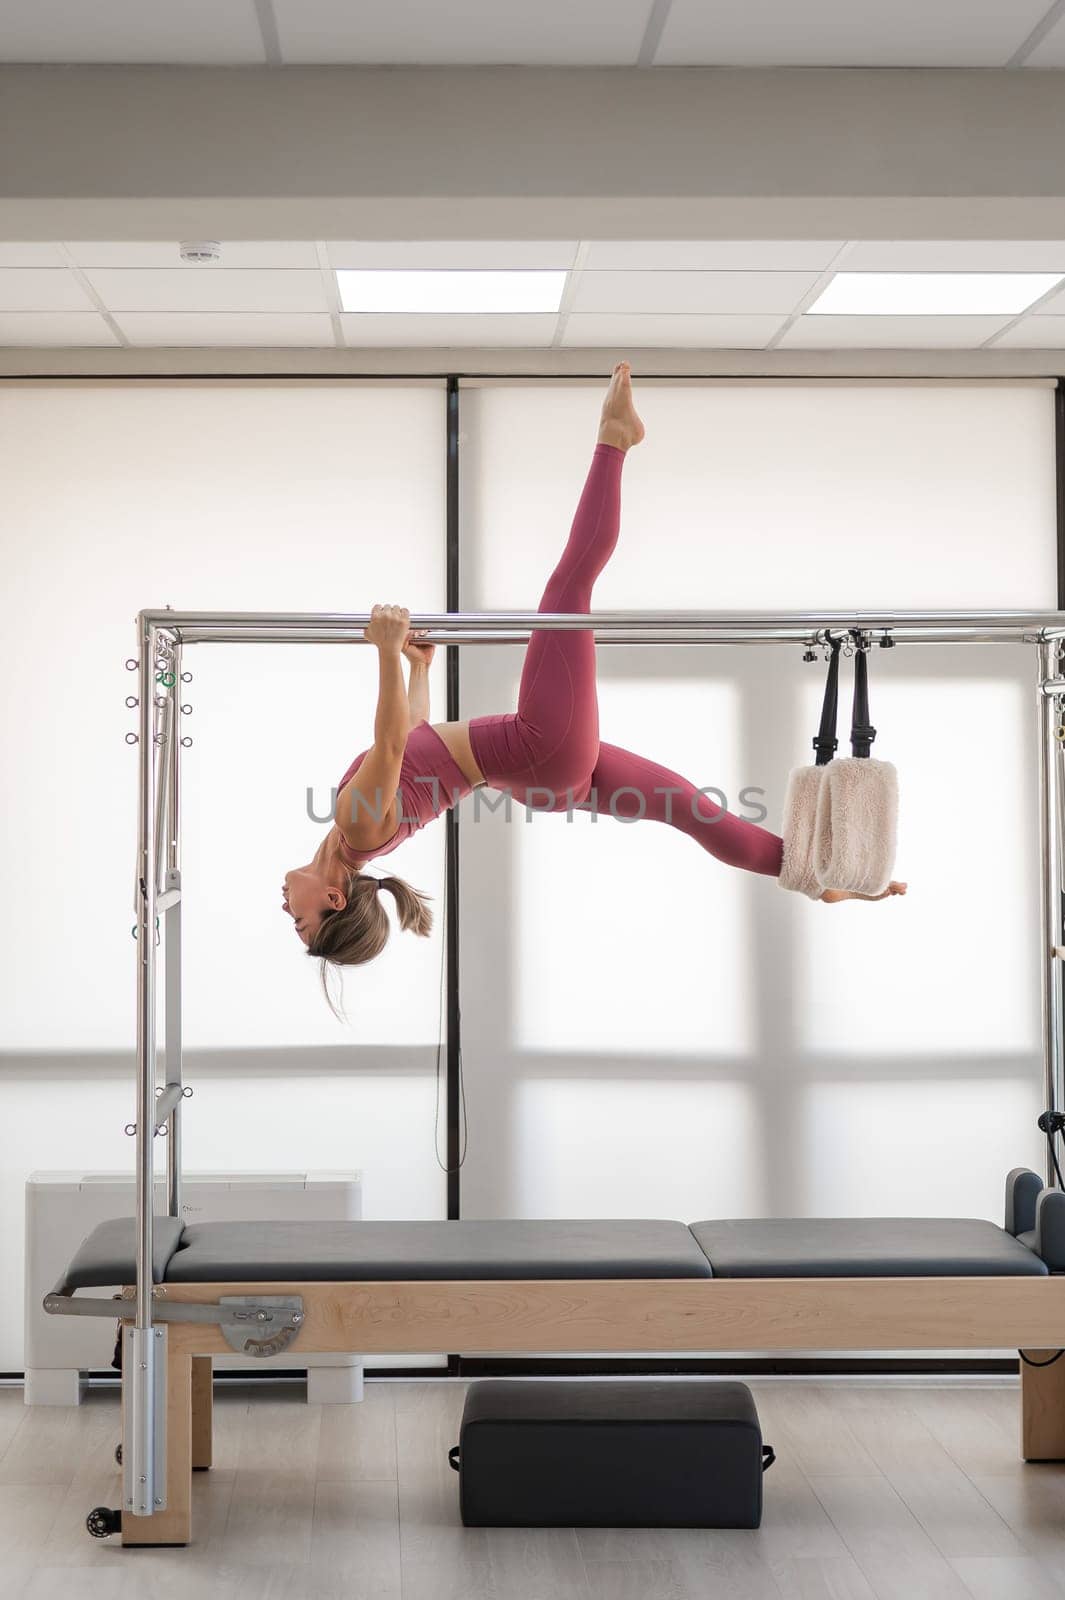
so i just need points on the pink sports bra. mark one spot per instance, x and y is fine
(430, 783)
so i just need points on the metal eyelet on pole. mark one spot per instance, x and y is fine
(186, 742)
(132, 664)
(186, 677)
(130, 1130)
(132, 701)
(131, 738)
(186, 711)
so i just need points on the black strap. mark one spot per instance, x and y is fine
(825, 742)
(862, 731)
(453, 1458)
(769, 1455)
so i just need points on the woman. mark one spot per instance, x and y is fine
(548, 753)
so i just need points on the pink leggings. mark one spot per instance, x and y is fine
(548, 755)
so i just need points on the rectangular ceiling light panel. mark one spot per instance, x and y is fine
(931, 294)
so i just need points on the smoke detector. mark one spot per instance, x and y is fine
(200, 250)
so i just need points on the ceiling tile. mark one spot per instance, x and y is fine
(846, 33)
(208, 31)
(431, 330)
(154, 253)
(479, 32)
(955, 255)
(700, 292)
(711, 255)
(427, 254)
(32, 255)
(41, 289)
(672, 332)
(890, 333)
(67, 329)
(208, 289)
(261, 329)
(1034, 333)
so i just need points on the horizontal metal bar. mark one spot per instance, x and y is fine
(620, 627)
(172, 1096)
(264, 1318)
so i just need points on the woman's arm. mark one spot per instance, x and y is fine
(420, 656)
(365, 811)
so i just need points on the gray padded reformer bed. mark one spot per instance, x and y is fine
(608, 1286)
(420, 1252)
(1031, 1243)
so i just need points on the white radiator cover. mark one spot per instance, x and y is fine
(63, 1207)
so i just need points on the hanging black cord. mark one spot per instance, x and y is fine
(825, 741)
(464, 1137)
(862, 731)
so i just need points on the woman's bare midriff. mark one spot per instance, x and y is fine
(456, 735)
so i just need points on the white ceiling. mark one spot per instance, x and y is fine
(902, 33)
(683, 294)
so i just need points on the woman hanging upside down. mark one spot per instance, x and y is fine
(547, 753)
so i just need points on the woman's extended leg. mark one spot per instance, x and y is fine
(630, 787)
(552, 743)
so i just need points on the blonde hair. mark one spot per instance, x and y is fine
(359, 931)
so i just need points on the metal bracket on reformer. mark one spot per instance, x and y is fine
(252, 1325)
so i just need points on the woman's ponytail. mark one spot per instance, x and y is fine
(412, 907)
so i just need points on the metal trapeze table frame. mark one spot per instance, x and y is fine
(161, 638)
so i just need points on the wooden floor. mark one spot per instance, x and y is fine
(900, 1492)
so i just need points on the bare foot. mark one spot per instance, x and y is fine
(619, 425)
(832, 897)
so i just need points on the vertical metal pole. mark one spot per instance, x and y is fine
(1053, 936)
(1059, 461)
(453, 1078)
(144, 1426)
(451, 862)
(172, 945)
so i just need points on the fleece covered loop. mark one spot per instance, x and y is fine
(841, 816)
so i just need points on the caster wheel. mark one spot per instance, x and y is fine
(103, 1522)
(118, 1454)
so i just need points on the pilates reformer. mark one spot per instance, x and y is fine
(542, 1287)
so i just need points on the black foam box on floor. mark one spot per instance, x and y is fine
(610, 1453)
